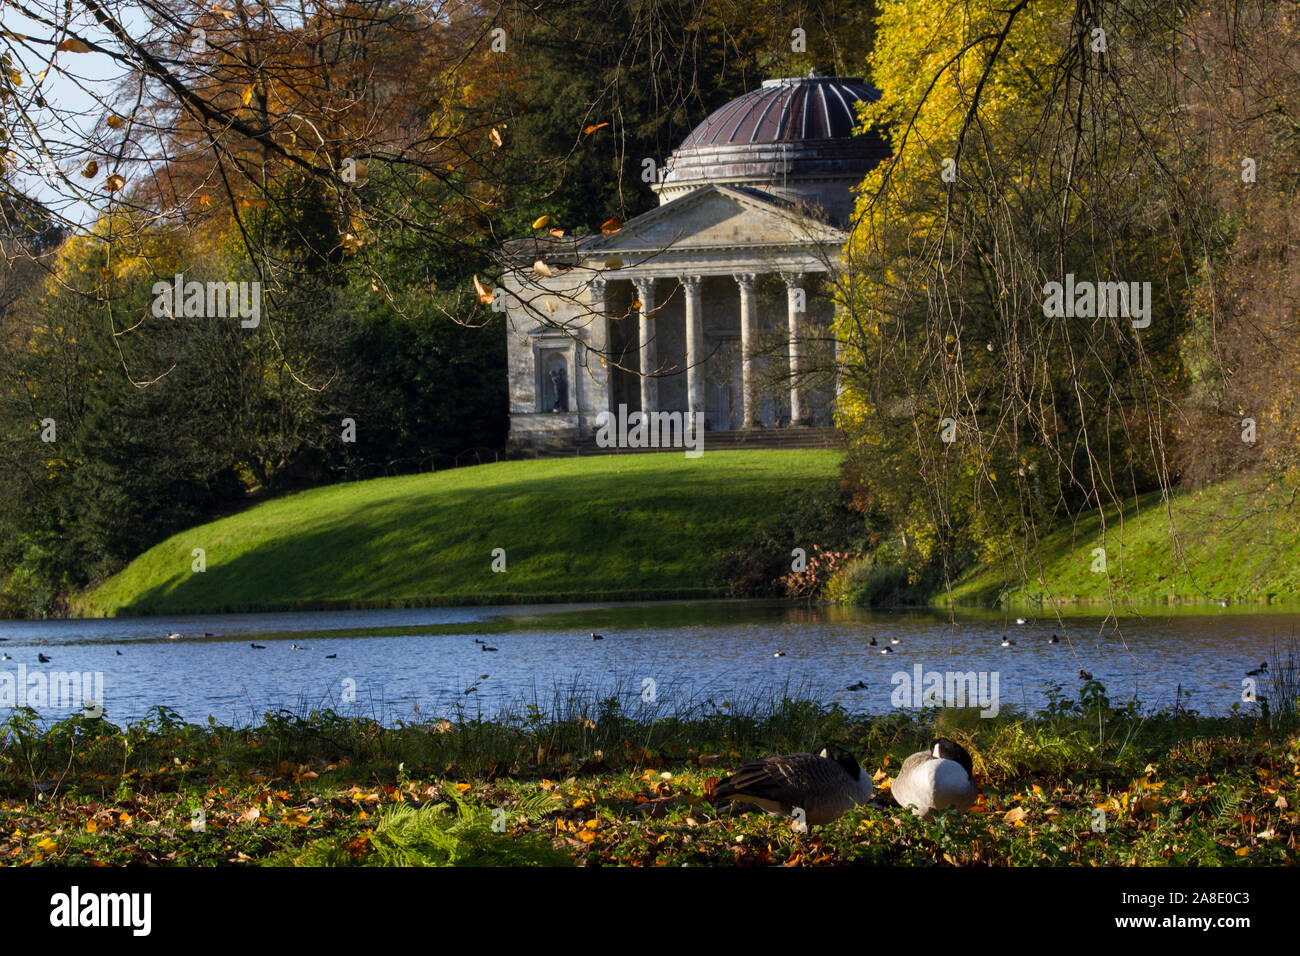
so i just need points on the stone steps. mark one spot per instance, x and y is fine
(757, 439)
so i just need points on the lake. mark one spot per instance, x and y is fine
(658, 657)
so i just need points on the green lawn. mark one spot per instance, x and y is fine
(1237, 541)
(581, 528)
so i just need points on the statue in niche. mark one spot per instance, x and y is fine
(559, 387)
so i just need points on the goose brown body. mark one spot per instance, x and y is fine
(823, 785)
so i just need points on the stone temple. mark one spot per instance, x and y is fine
(718, 301)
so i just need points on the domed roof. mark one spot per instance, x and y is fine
(813, 107)
(792, 138)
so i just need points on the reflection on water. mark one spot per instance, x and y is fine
(402, 664)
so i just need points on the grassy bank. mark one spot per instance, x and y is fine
(618, 526)
(591, 784)
(1237, 542)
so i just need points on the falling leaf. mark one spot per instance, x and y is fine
(542, 269)
(636, 305)
(557, 233)
(205, 200)
(484, 296)
(90, 170)
(73, 45)
(541, 222)
(591, 129)
(610, 226)
(247, 96)
(254, 203)
(114, 183)
(114, 122)
(495, 137)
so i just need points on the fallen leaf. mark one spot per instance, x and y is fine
(1015, 816)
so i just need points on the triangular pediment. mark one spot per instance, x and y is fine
(716, 217)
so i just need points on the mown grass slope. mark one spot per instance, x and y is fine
(1238, 541)
(592, 527)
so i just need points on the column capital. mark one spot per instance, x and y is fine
(645, 287)
(744, 279)
(793, 279)
(690, 283)
(597, 288)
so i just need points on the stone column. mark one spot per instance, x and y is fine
(748, 315)
(605, 380)
(796, 303)
(645, 291)
(694, 345)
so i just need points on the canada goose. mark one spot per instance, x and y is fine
(933, 779)
(886, 650)
(597, 637)
(823, 785)
(860, 685)
(1258, 670)
(1053, 640)
(486, 648)
(174, 636)
(330, 657)
(258, 647)
(42, 658)
(1084, 675)
(779, 654)
(1006, 642)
